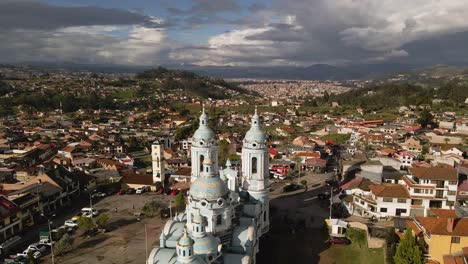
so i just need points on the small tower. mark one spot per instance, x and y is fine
(184, 249)
(203, 144)
(157, 162)
(255, 172)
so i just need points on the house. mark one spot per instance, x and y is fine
(413, 144)
(316, 165)
(461, 207)
(387, 200)
(440, 236)
(457, 258)
(434, 187)
(10, 217)
(406, 159)
(447, 150)
(392, 200)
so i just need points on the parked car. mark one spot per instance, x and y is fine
(291, 187)
(99, 194)
(167, 191)
(130, 191)
(121, 192)
(174, 192)
(339, 241)
(165, 213)
(139, 190)
(37, 247)
(323, 196)
(36, 254)
(146, 188)
(71, 223)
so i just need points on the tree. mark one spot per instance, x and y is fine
(425, 118)
(151, 208)
(86, 224)
(179, 201)
(408, 252)
(223, 147)
(102, 221)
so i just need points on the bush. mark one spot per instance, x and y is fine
(151, 208)
(63, 245)
(102, 221)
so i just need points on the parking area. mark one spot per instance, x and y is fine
(124, 242)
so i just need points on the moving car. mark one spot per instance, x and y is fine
(71, 223)
(291, 187)
(339, 241)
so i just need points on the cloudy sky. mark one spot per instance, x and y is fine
(234, 32)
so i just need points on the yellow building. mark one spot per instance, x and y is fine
(440, 236)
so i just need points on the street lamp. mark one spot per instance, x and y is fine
(50, 236)
(146, 240)
(90, 199)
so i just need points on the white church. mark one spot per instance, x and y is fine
(227, 211)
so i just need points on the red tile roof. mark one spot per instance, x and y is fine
(391, 191)
(439, 226)
(436, 173)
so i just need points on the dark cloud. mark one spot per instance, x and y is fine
(40, 16)
(208, 6)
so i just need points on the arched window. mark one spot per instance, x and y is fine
(254, 165)
(202, 158)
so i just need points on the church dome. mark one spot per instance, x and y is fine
(255, 133)
(206, 245)
(208, 188)
(204, 132)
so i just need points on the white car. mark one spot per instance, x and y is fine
(71, 223)
(35, 255)
(139, 191)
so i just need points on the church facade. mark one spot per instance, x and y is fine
(227, 210)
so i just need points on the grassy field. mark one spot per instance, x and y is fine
(354, 254)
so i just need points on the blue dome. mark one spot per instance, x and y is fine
(206, 245)
(255, 134)
(208, 188)
(204, 132)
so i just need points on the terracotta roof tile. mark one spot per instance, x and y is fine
(436, 173)
(439, 226)
(391, 191)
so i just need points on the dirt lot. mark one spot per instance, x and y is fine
(125, 241)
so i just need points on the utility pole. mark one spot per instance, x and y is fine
(50, 238)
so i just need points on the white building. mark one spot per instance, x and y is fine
(226, 214)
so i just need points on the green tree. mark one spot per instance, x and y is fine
(425, 118)
(151, 208)
(223, 147)
(86, 224)
(102, 221)
(179, 201)
(408, 252)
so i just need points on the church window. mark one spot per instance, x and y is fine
(202, 158)
(219, 220)
(183, 253)
(254, 165)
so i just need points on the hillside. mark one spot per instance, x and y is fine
(191, 83)
(393, 95)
